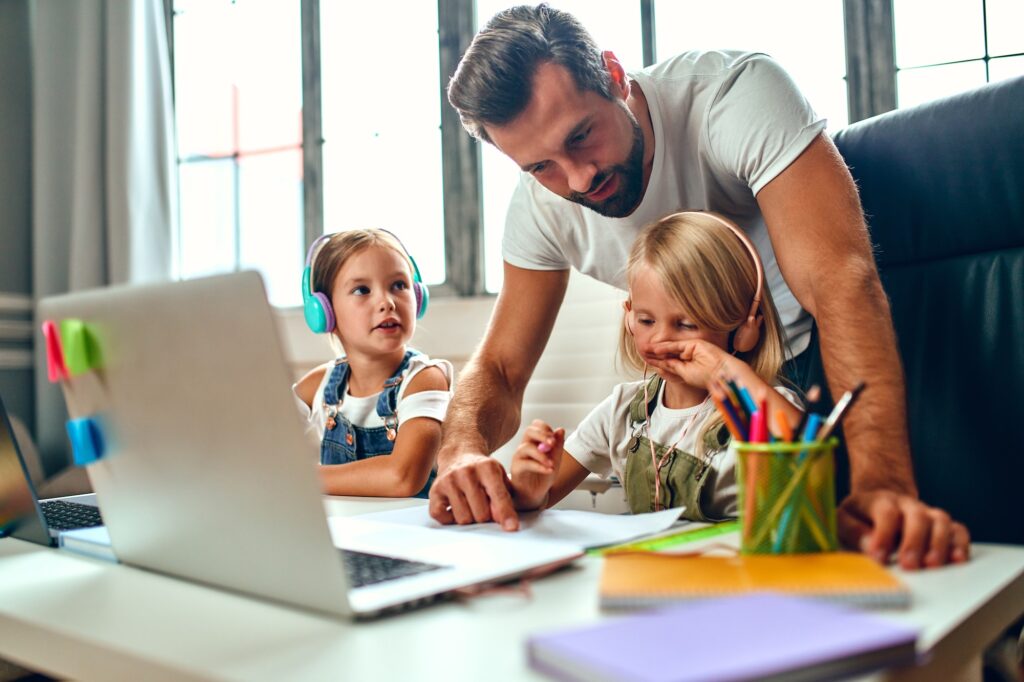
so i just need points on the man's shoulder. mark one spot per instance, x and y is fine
(702, 64)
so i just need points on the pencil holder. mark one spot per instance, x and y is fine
(787, 499)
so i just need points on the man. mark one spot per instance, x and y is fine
(603, 153)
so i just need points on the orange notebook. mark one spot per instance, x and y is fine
(640, 579)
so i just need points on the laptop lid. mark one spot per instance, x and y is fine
(208, 474)
(195, 403)
(20, 513)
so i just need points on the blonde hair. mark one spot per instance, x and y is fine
(710, 273)
(337, 249)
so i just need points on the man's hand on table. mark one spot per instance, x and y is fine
(473, 488)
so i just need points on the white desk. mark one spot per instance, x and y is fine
(88, 619)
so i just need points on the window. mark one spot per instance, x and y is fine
(382, 125)
(238, 101)
(966, 44)
(814, 57)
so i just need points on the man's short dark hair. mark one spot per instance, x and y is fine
(494, 80)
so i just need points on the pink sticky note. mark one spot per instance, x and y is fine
(56, 369)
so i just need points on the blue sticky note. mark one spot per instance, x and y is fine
(87, 441)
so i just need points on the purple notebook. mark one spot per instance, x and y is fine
(753, 637)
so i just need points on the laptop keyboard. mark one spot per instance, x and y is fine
(61, 515)
(368, 569)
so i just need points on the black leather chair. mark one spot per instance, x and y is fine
(942, 186)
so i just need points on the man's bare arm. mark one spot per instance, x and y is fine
(485, 410)
(814, 217)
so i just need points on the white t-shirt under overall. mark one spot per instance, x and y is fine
(363, 411)
(601, 442)
(725, 124)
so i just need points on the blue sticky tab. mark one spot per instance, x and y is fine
(87, 443)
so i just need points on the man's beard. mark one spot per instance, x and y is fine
(631, 182)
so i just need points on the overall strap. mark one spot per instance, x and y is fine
(387, 401)
(334, 391)
(637, 410)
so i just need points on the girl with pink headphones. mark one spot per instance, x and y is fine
(697, 310)
(377, 409)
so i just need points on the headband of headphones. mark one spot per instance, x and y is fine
(754, 256)
(316, 305)
(748, 333)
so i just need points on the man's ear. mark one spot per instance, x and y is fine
(620, 81)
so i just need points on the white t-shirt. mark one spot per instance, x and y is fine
(725, 124)
(363, 411)
(601, 442)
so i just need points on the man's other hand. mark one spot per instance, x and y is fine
(880, 522)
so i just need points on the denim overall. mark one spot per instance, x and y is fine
(347, 443)
(683, 476)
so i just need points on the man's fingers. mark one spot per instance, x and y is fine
(961, 543)
(474, 492)
(884, 515)
(917, 526)
(940, 538)
(460, 508)
(440, 508)
(493, 480)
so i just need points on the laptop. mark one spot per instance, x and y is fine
(209, 476)
(22, 514)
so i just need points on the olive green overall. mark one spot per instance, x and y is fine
(682, 475)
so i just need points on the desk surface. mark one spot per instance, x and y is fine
(84, 618)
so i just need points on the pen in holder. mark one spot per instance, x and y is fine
(787, 497)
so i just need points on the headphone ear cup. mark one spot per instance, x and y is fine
(747, 335)
(422, 298)
(318, 313)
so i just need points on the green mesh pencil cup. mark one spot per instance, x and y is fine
(787, 501)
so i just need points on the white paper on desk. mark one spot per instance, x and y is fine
(583, 528)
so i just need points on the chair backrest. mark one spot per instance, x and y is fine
(942, 186)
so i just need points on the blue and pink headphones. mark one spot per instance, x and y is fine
(316, 305)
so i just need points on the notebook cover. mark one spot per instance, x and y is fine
(750, 637)
(645, 579)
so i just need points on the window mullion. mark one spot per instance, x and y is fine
(870, 57)
(647, 29)
(312, 124)
(460, 159)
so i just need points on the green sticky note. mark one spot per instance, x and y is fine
(81, 350)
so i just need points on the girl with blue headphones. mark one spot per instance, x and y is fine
(377, 409)
(697, 309)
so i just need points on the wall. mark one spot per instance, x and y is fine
(16, 328)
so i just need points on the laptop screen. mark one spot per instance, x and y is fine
(19, 514)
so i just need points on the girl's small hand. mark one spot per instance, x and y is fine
(535, 465)
(695, 361)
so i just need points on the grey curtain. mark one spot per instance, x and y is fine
(103, 178)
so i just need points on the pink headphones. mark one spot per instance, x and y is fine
(747, 334)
